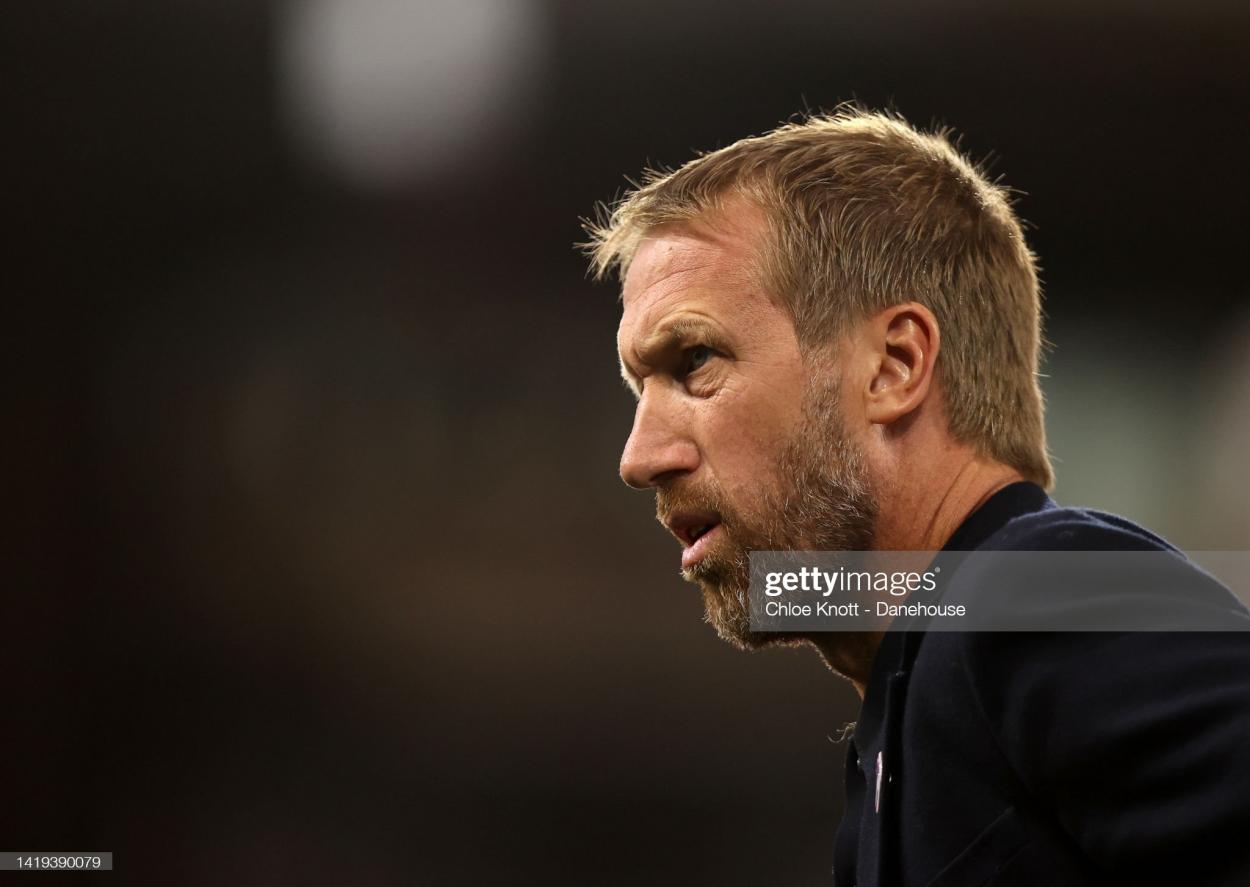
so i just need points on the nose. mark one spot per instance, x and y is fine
(659, 447)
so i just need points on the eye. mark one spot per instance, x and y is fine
(697, 357)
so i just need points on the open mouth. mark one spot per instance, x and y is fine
(696, 532)
(689, 527)
(702, 539)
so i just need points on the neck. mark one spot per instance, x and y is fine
(849, 654)
(915, 518)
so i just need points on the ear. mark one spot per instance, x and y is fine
(903, 342)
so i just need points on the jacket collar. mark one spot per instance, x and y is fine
(1014, 500)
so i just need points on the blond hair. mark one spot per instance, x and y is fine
(865, 212)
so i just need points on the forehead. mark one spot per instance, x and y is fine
(711, 270)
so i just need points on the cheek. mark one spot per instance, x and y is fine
(746, 433)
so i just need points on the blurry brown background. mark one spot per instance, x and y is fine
(322, 572)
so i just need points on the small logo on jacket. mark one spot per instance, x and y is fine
(876, 807)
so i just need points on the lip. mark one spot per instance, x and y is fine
(695, 552)
(684, 525)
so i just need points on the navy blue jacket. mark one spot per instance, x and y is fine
(1051, 758)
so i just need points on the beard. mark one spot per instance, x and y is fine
(819, 499)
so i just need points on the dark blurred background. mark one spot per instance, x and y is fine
(322, 572)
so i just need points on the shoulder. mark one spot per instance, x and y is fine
(1085, 570)
(1057, 528)
(1070, 679)
(1084, 719)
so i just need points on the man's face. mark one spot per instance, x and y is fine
(740, 436)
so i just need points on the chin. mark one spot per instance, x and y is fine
(727, 613)
(751, 641)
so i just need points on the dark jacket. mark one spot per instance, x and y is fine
(1051, 758)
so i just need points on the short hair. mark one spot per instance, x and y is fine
(865, 211)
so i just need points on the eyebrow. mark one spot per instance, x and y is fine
(667, 338)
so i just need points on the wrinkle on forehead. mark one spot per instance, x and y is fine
(675, 259)
(726, 241)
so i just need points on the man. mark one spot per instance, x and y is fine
(833, 331)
